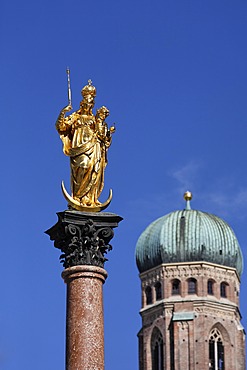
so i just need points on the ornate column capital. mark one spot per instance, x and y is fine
(83, 237)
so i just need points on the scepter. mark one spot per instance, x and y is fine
(69, 89)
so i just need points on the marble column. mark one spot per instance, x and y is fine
(84, 240)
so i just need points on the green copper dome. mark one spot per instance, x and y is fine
(186, 236)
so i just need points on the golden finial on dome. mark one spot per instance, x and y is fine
(188, 197)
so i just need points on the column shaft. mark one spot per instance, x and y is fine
(85, 322)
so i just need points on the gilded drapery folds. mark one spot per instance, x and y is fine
(86, 139)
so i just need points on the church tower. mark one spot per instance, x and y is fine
(190, 265)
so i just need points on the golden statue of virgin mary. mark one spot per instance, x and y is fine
(86, 139)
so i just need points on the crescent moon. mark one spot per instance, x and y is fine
(79, 207)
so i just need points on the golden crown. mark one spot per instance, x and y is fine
(88, 90)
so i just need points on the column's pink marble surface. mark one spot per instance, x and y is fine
(85, 322)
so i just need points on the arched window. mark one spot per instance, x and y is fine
(175, 287)
(223, 290)
(148, 292)
(192, 286)
(216, 351)
(210, 287)
(158, 291)
(157, 350)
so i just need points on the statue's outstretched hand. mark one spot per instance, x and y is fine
(67, 108)
(60, 123)
(112, 129)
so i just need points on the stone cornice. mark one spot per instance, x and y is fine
(200, 305)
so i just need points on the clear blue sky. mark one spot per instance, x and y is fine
(173, 74)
